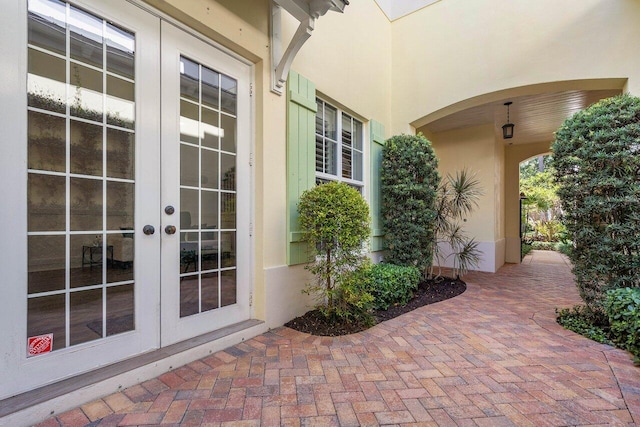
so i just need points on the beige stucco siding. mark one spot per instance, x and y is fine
(348, 57)
(480, 157)
(456, 50)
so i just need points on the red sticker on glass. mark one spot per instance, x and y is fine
(39, 344)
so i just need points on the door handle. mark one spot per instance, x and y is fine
(170, 229)
(148, 230)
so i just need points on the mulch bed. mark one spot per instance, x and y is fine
(429, 292)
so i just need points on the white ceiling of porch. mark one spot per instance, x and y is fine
(536, 117)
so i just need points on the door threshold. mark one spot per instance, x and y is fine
(36, 405)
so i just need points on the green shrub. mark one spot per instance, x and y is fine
(564, 247)
(561, 247)
(543, 246)
(393, 284)
(596, 156)
(353, 301)
(334, 219)
(409, 179)
(582, 320)
(623, 308)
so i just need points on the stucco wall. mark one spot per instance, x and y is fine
(348, 57)
(456, 50)
(478, 144)
(477, 150)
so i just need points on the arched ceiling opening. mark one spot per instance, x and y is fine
(536, 115)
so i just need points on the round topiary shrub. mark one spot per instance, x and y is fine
(409, 181)
(334, 219)
(597, 163)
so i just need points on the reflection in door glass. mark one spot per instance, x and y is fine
(120, 303)
(86, 148)
(120, 154)
(208, 189)
(81, 176)
(120, 50)
(86, 96)
(86, 37)
(47, 142)
(85, 316)
(46, 81)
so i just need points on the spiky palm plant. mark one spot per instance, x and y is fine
(456, 198)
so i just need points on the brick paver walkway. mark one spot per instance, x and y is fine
(493, 356)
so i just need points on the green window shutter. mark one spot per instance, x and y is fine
(301, 147)
(377, 142)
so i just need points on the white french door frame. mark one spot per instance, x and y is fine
(153, 327)
(17, 372)
(176, 43)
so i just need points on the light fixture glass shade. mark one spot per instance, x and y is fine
(507, 131)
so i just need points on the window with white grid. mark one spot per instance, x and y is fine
(339, 146)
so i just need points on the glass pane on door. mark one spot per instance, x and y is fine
(81, 177)
(207, 189)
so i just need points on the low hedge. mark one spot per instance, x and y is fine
(562, 247)
(590, 324)
(392, 284)
(543, 246)
(623, 308)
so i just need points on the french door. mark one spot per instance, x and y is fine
(205, 187)
(130, 227)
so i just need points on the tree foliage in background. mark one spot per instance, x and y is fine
(531, 167)
(409, 181)
(334, 219)
(597, 166)
(456, 198)
(541, 192)
(541, 207)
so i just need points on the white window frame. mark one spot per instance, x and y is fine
(323, 176)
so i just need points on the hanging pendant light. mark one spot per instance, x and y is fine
(507, 129)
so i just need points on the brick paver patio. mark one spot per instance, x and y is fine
(493, 356)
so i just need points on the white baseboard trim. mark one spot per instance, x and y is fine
(492, 258)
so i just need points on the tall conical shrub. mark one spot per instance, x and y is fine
(409, 182)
